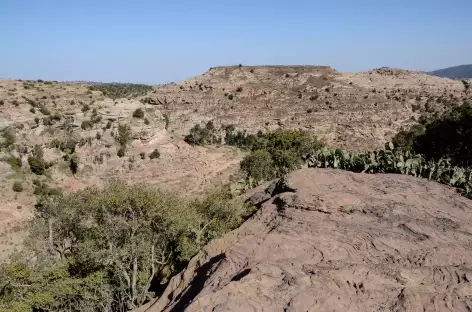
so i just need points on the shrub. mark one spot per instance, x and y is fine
(48, 121)
(74, 163)
(15, 162)
(86, 125)
(38, 151)
(109, 123)
(230, 96)
(138, 113)
(68, 147)
(147, 122)
(202, 135)
(259, 165)
(16, 103)
(44, 110)
(17, 186)
(37, 165)
(85, 108)
(55, 143)
(42, 189)
(142, 155)
(239, 89)
(405, 139)
(32, 110)
(124, 134)
(449, 136)
(466, 84)
(121, 151)
(9, 138)
(96, 119)
(155, 154)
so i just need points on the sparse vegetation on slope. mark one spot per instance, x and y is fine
(121, 90)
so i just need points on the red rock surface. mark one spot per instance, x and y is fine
(328, 240)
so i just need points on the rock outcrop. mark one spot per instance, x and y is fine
(328, 240)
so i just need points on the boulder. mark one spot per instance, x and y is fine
(331, 240)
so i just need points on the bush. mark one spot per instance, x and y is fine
(155, 154)
(202, 135)
(68, 147)
(32, 110)
(74, 163)
(448, 136)
(259, 165)
(124, 134)
(288, 150)
(42, 189)
(38, 151)
(9, 138)
(17, 186)
(37, 165)
(44, 110)
(15, 162)
(147, 122)
(86, 125)
(142, 155)
(405, 139)
(230, 96)
(85, 108)
(121, 151)
(138, 113)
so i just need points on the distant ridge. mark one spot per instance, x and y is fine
(461, 71)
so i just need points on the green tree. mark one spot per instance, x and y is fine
(124, 134)
(259, 165)
(102, 249)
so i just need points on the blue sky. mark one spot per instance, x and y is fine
(161, 41)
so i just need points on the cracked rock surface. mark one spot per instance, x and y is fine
(330, 240)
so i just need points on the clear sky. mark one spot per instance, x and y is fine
(161, 41)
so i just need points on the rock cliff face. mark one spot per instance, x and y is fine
(327, 240)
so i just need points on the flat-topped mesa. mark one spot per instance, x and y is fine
(396, 72)
(274, 68)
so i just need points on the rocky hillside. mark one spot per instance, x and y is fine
(87, 134)
(354, 110)
(328, 240)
